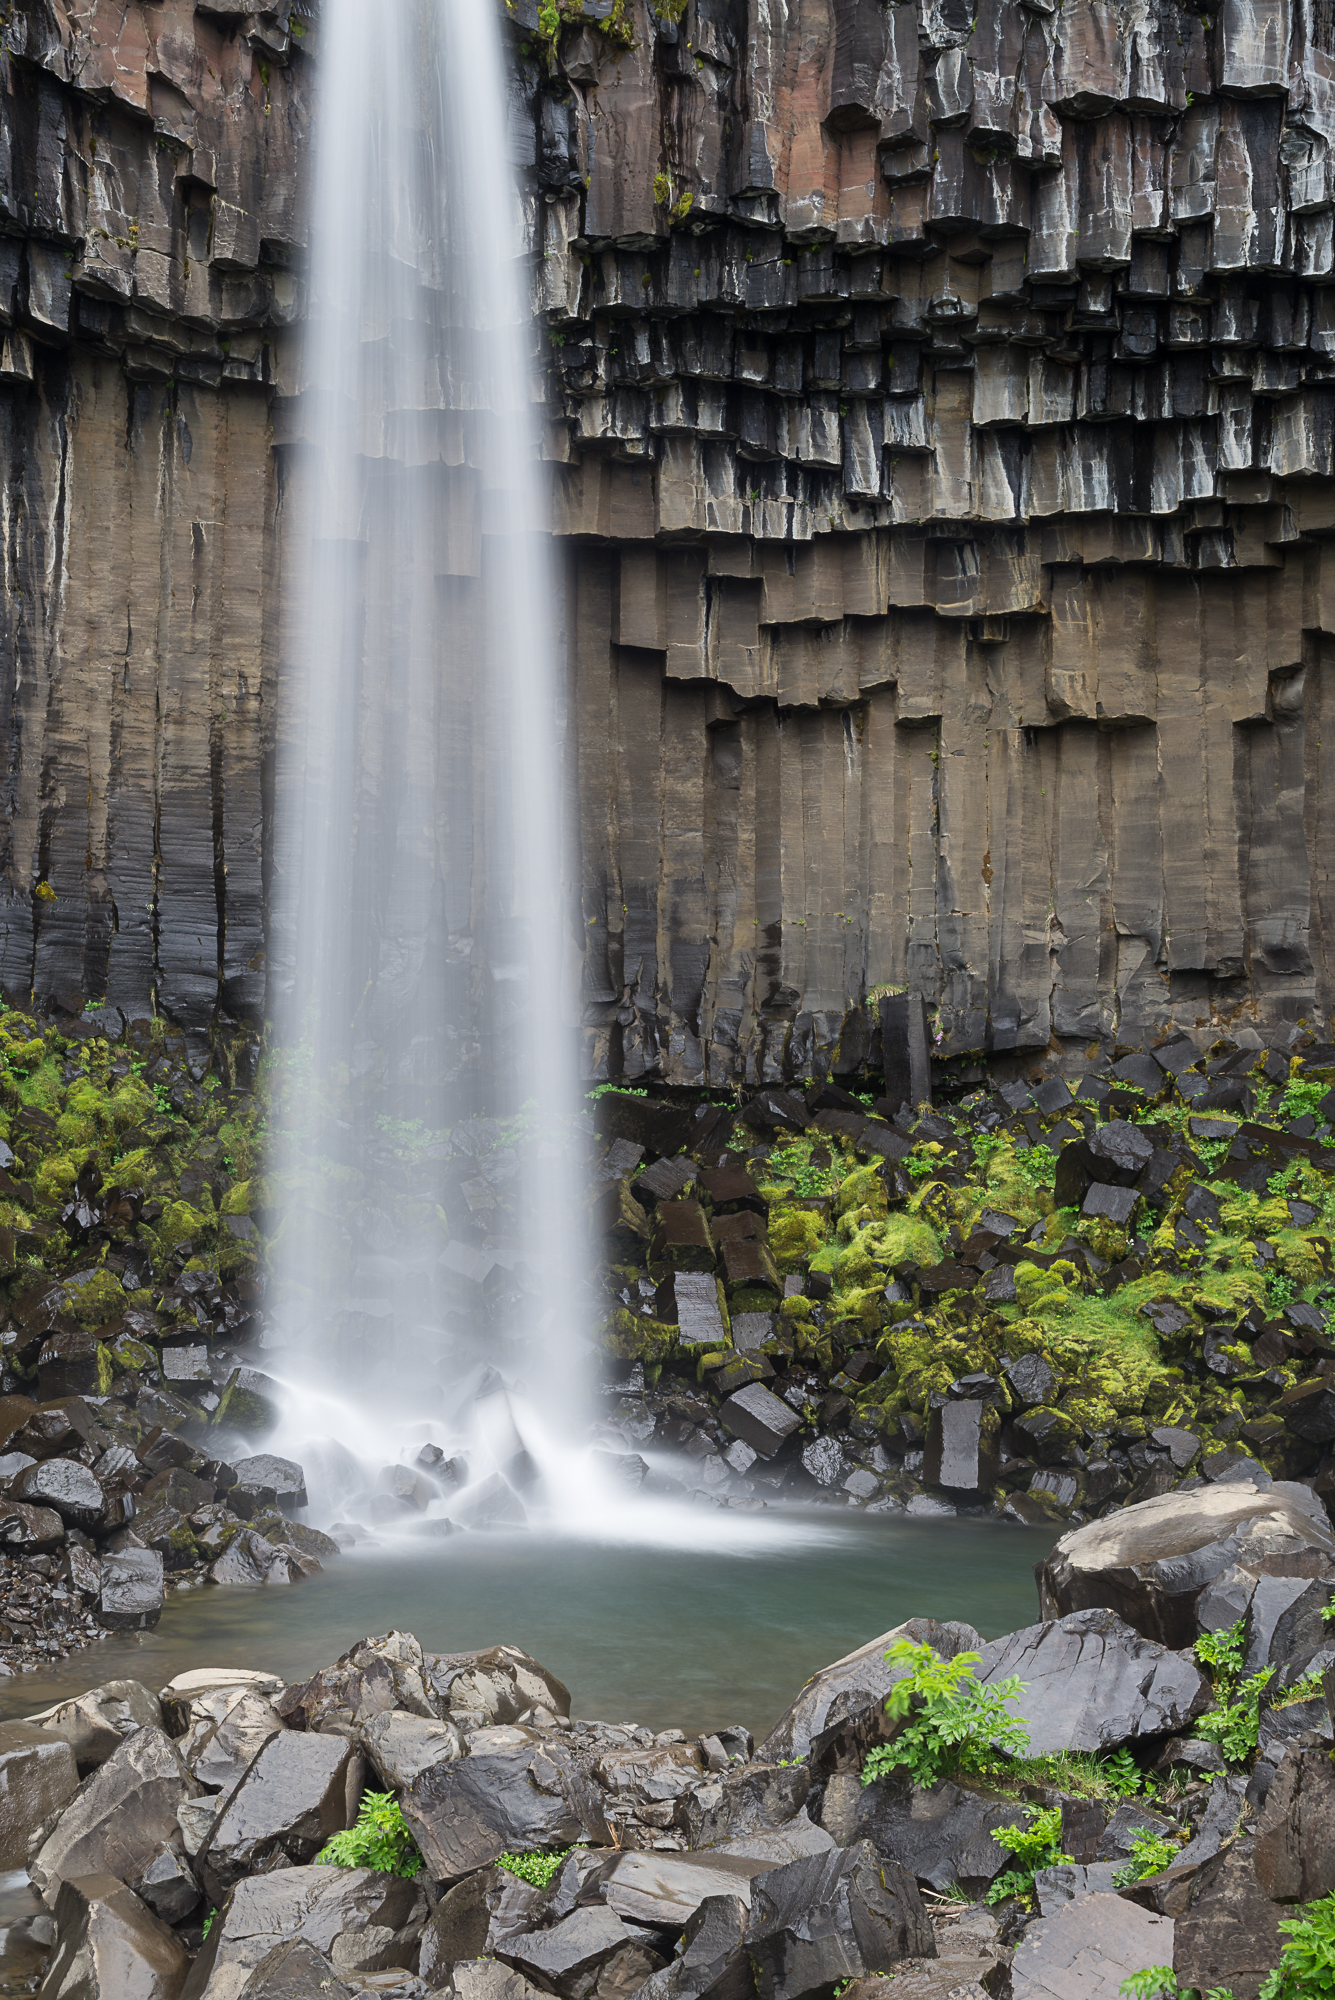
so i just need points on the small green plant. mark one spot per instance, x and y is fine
(536, 1869)
(1328, 1612)
(959, 1725)
(1222, 1652)
(1035, 1846)
(1123, 1774)
(1150, 1852)
(1306, 1969)
(208, 1923)
(1156, 1982)
(1280, 1291)
(1301, 1097)
(1234, 1722)
(379, 1839)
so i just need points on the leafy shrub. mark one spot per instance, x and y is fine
(380, 1839)
(1306, 1969)
(1035, 1846)
(1234, 1722)
(537, 1869)
(959, 1725)
(1149, 1853)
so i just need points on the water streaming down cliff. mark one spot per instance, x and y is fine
(418, 889)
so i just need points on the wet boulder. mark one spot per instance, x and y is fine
(476, 1917)
(840, 1713)
(1151, 1562)
(132, 1590)
(402, 1746)
(711, 1961)
(111, 1946)
(488, 1979)
(119, 1817)
(568, 1958)
(1092, 1944)
(266, 1481)
(1294, 1856)
(229, 1732)
(1091, 1682)
(167, 1884)
(666, 1889)
(37, 1777)
(941, 1836)
(295, 1971)
(1228, 1933)
(833, 1917)
(189, 1697)
(759, 1419)
(497, 1684)
(67, 1487)
(759, 1799)
(961, 1449)
(97, 1723)
(290, 1801)
(464, 1814)
(29, 1531)
(316, 1906)
(251, 1559)
(371, 1677)
(649, 1775)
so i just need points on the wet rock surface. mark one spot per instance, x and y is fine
(595, 1861)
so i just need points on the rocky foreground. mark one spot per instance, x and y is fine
(407, 1823)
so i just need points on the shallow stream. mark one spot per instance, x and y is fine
(669, 1636)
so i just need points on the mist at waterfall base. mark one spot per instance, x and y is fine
(419, 960)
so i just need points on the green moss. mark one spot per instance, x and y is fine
(862, 1193)
(180, 1223)
(795, 1234)
(95, 1299)
(630, 1337)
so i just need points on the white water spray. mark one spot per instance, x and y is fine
(426, 1260)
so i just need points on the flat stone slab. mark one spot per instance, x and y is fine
(1088, 1949)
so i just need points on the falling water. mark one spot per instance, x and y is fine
(418, 938)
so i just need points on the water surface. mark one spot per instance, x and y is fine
(686, 1637)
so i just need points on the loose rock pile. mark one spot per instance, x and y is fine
(175, 1839)
(131, 1301)
(1043, 1300)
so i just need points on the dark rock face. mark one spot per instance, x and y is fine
(113, 1946)
(1294, 1856)
(1228, 1934)
(37, 1777)
(97, 1723)
(317, 1907)
(804, 413)
(122, 1815)
(132, 1590)
(464, 1814)
(833, 1917)
(941, 1836)
(961, 1449)
(292, 1798)
(1091, 1682)
(1151, 1562)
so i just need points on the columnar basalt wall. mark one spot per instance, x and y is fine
(941, 417)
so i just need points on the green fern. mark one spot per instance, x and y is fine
(537, 1869)
(379, 1839)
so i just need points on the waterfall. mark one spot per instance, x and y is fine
(425, 1083)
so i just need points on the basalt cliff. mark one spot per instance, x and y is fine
(939, 411)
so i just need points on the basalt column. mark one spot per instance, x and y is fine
(940, 417)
